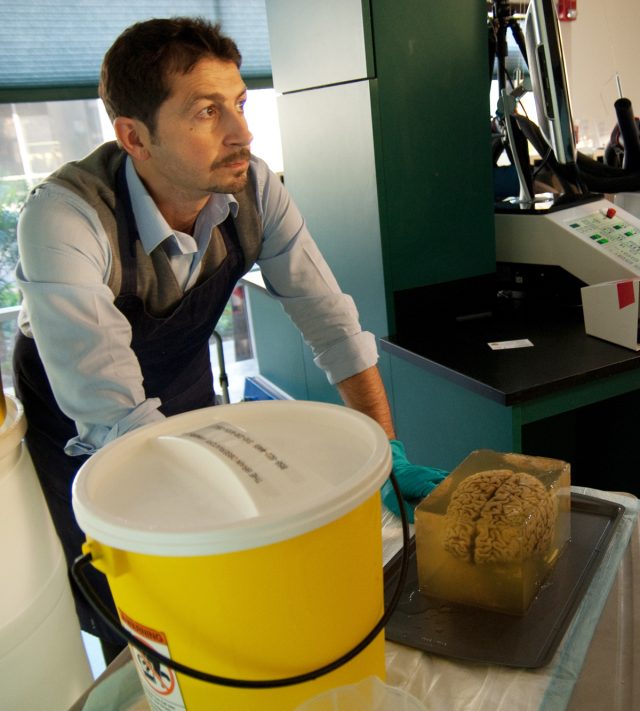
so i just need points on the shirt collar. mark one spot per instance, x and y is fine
(154, 229)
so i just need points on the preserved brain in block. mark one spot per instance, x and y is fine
(499, 516)
(491, 532)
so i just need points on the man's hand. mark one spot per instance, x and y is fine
(415, 481)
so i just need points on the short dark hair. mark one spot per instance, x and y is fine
(134, 80)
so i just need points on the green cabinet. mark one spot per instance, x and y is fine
(568, 396)
(433, 141)
(384, 112)
(441, 422)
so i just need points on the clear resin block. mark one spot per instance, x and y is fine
(489, 535)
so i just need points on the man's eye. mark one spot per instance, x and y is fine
(208, 112)
(240, 105)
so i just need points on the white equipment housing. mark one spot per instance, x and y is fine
(595, 241)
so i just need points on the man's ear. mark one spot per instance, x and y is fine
(133, 136)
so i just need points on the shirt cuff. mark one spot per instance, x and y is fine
(348, 357)
(90, 439)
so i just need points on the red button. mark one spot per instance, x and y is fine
(611, 212)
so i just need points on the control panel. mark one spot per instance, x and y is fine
(595, 241)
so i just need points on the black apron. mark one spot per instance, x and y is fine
(173, 352)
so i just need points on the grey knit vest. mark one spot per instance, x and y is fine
(93, 178)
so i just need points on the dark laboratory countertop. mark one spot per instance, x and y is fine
(563, 355)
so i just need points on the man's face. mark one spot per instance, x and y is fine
(201, 142)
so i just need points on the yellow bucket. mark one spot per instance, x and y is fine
(243, 541)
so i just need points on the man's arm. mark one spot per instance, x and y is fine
(83, 339)
(365, 392)
(297, 275)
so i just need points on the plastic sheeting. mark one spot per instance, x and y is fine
(443, 683)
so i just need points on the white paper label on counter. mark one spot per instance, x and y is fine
(505, 345)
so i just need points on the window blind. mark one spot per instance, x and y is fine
(51, 49)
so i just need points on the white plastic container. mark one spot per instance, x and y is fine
(43, 664)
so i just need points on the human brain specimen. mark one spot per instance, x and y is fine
(499, 516)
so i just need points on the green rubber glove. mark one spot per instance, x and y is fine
(415, 481)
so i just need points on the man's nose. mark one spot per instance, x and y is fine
(238, 133)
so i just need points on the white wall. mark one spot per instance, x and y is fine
(604, 39)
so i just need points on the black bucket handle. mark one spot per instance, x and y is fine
(78, 576)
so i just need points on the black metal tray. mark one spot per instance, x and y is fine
(527, 641)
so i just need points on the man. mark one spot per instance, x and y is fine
(128, 257)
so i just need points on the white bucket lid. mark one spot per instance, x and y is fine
(230, 478)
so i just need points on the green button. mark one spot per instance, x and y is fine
(595, 236)
(602, 241)
(575, 225)
(617, 227)
(629, 233)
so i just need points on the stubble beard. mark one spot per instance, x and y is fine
(238, 181)
(235, 185)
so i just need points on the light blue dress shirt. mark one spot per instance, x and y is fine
(84, 340)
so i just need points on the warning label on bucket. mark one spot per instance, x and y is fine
(158, 680)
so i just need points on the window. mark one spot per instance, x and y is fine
(36, 138)
(54, 49)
